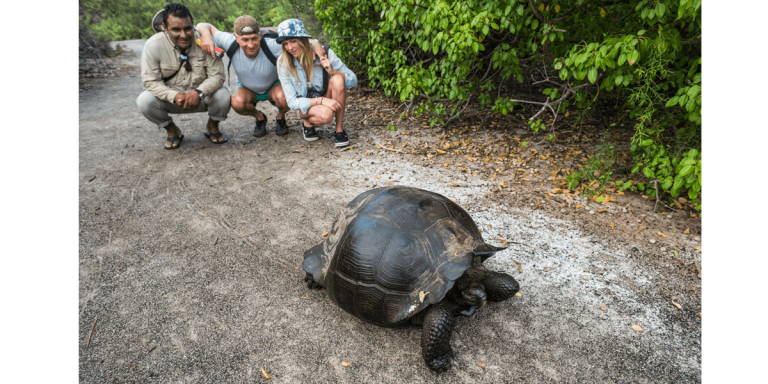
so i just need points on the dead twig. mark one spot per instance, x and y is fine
(388, 149)
(519, 266)
(698, 266)
(580, 245)
(91, 333)
(517, 242)
(267, 179)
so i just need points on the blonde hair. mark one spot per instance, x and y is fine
(305, 59)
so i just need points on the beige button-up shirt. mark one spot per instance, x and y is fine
(160, 58)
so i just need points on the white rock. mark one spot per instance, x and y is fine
(653, 241)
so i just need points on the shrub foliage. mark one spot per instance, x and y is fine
(437, 56)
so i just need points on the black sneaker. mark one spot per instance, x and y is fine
(260, 129)
(341, 139)
(310, 134)
(281, 128)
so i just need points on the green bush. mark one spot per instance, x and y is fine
(437, 56)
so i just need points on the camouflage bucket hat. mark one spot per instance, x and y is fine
(289, 29)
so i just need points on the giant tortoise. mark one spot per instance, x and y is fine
(399, 255)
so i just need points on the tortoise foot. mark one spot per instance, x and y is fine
(441, 363)
(311, 283)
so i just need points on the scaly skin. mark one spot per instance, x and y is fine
(500, 286)
(436, 338)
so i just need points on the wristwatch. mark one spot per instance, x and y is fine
(199, 92)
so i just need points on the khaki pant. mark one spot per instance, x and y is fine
(156, 110)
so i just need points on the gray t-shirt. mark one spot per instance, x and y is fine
(257, 74)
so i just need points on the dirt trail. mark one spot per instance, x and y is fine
(191, 261)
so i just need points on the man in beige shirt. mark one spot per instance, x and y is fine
(179, 78)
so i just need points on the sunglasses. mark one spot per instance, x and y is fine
(185, 62)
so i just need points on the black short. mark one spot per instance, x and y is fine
(314, 93)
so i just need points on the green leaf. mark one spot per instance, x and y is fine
(692, 194)
(666, 184)
(641, 32)
(485, 29)
(660, 8)
(622, 58)
(520, 9)
(592, 74)
(647, 172)
(619, 79)
(646, 142)
(685, 170)
(671, 102)
(535, 24)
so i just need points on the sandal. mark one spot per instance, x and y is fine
(216, 135)
(179, 137)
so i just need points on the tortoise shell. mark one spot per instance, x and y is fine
(390, 244)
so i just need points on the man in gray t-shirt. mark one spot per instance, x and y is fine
(255, 74)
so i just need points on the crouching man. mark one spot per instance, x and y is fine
(178, 77)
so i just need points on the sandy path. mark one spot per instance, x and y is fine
(191, 260)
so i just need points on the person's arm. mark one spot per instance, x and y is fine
(338, 68)
(215, 75)
(291, 98)
(206, 32)
(152, 77)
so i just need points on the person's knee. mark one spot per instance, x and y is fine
(337, 82)
(326, 116)
(221, 97)
(145, 101)
(238, 103)
(278, 96)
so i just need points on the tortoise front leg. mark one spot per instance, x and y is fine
(436, 338)
(500, 286)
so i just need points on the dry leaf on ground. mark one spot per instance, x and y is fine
(637, 327)
(325, 233)
(346, 364)
(264, 372)
(481, 364)
(661, 234)
(603, 307)
(676, 304)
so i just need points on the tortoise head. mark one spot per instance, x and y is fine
(470, 295)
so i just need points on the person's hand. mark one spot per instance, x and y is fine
(180, 100)
(206, 42)
(330, 103)
(325, 63)
(317, 51)
(191, 100)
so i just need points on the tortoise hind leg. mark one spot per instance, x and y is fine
(311, 283)
(436, 338)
